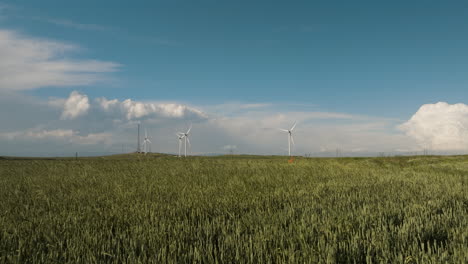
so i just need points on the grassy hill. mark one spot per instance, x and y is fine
(234, 209)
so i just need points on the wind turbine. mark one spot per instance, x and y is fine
(290, 137)
(186, 137)
(146, 143)
(180, 136)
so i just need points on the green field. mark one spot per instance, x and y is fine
(234, 209)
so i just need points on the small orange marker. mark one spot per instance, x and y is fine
(291, 159)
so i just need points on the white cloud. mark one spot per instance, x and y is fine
(57, 133)
(76, 105)
(107, 105)
(29, 63)
(130, 109)
(67, 135)
(439, 126)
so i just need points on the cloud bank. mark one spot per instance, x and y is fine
(60, 135)
(439, 126)
(94, 124)
(129, 109)
(79, 122)
(29, 63)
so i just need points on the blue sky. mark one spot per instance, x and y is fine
(357, 56)
(380, 59)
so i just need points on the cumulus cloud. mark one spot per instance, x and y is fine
(29, 63)
(439, 126)
(130, 109)
(76, 105)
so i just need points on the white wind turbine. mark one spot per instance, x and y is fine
(290, 137)
(146, 143)
(180, 136)
(186, 137)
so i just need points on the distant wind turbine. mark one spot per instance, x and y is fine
(290, 137)
(146, 143)
(180, 137)
(186, 137)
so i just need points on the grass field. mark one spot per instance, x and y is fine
(238, 209)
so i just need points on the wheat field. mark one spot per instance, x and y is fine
(234, 209)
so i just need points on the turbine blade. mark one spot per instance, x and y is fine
(188, 141)
(292, 128)
(292, 140)
(149, 141)
(285, 130)
(190, 128)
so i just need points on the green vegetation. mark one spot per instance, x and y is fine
(234, 209)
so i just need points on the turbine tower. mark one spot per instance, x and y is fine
(180, 137)
(146, 143)
(290, 137)
(185, 136)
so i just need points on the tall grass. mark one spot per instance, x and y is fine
(158, 209)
